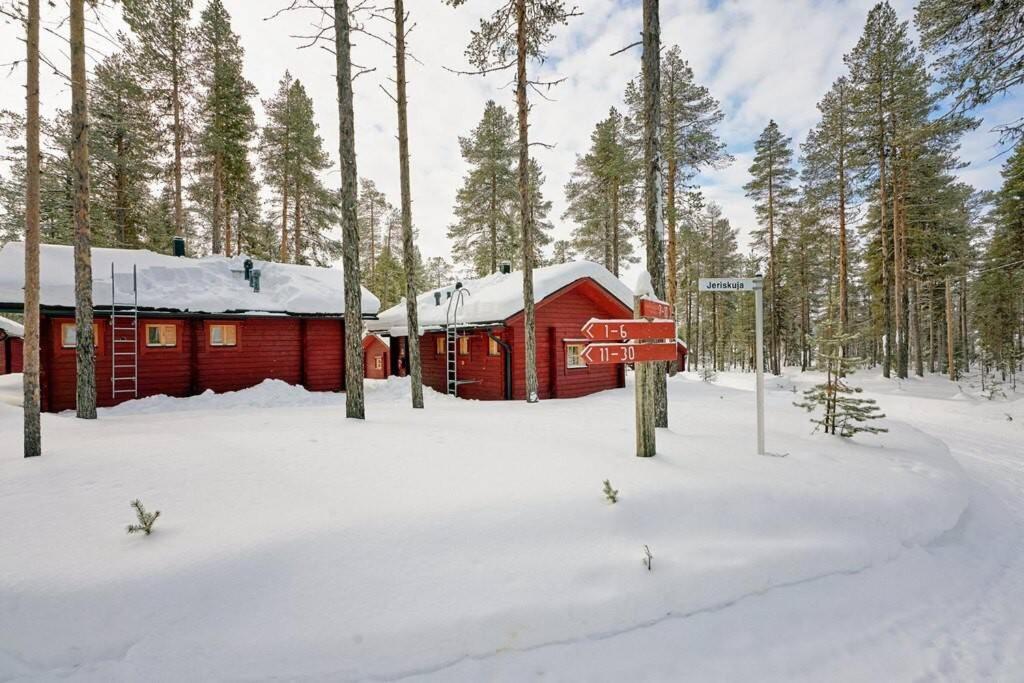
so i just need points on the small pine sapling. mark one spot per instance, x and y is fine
(844, 413)
(611, 494)
(146, 519)
(648, 558)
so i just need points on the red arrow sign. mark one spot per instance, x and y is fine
(649, 308)
(610, 354)
(621, 330)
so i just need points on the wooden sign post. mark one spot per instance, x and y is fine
(650, 336)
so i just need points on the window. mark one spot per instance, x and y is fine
(574, 356)
(69, 335)
(161, 335)
(223, 335)
(463, 346)
(378, 363)
(440, 346)
(493, 348)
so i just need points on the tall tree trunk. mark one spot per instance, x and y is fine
(283, 251)
(950, 361)
(525, 199)
(120, 196)
(85, 349)
(654, 186)
(776, 353)
(297, 225)
(179, 211)
(238, 230)
(616, 228)
(227, 228)
(408, 247)
(965, 333)
(886, 295)
(354, 401)
(30, 350)
(493, 222)
(672, 281)
(218, 203)
(916, 330)
(844, 297)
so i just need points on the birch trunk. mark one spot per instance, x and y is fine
(408, 248)
(525, 213)
(85, 348)
(354, 402)
(30, 378)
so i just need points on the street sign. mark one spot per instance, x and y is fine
(651, 308)
(727, 284)
(622, 330)
(755, 285)
(613, 354)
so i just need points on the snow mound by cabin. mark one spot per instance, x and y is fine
(499, 296)
(212, 284)
(11, 328)
(296, 544)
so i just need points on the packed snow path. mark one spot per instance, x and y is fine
(950, 611)
(470, 541)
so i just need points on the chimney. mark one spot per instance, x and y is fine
(505, 267)
(437, 298)
(178, 246)
(247, 266)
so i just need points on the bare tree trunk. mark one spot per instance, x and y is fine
(950, 361)
(218, 204)
(525, 199)
(85, 349)
(493, 222)
(916, 330)
(30, 350)
(227, 228)
(283, 252)
(354, 401)
(654, 185)
(673, 255)
(646, 437)
(844, 297)
(297, 225)
(179, 212)
(408, 248)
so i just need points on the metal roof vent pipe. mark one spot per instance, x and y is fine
(247, 269)
(437, 298)
(505, 267)
(254, 280)
(178, 246)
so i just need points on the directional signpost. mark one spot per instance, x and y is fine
(755, 285)
(647, 338)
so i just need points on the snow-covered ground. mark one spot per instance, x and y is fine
(471, 541)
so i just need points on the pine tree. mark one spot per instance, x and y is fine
(484, 231)
(771, 189)
(125, 147)
(375, 212)
(163, 49)
(978, 47)
(521, 28)
(843, 411)
(602, 198)
(228, 122)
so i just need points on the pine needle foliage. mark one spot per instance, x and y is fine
(611, 494)
(843, 411)
(146, 519)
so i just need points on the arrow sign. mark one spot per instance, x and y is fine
(621, 330)
(652, 308)
(728, 284)
(611, 354)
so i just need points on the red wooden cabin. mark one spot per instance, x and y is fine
(181, 326)
(681, 356)
(376, 358)
(11, 341)
(489, 354)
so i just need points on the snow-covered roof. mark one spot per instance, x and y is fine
(499, 296)
(11, 328)
(212, 284)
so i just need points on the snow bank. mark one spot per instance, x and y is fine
(213, 284)
(11, 328)
(295, 543)
(500, 296)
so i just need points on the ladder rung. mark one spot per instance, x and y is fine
(125, 379)
(125, 353)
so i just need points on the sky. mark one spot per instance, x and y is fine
(763, 59)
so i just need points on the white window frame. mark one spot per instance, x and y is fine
(579, 363)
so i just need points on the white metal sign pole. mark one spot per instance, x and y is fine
(759, 359)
